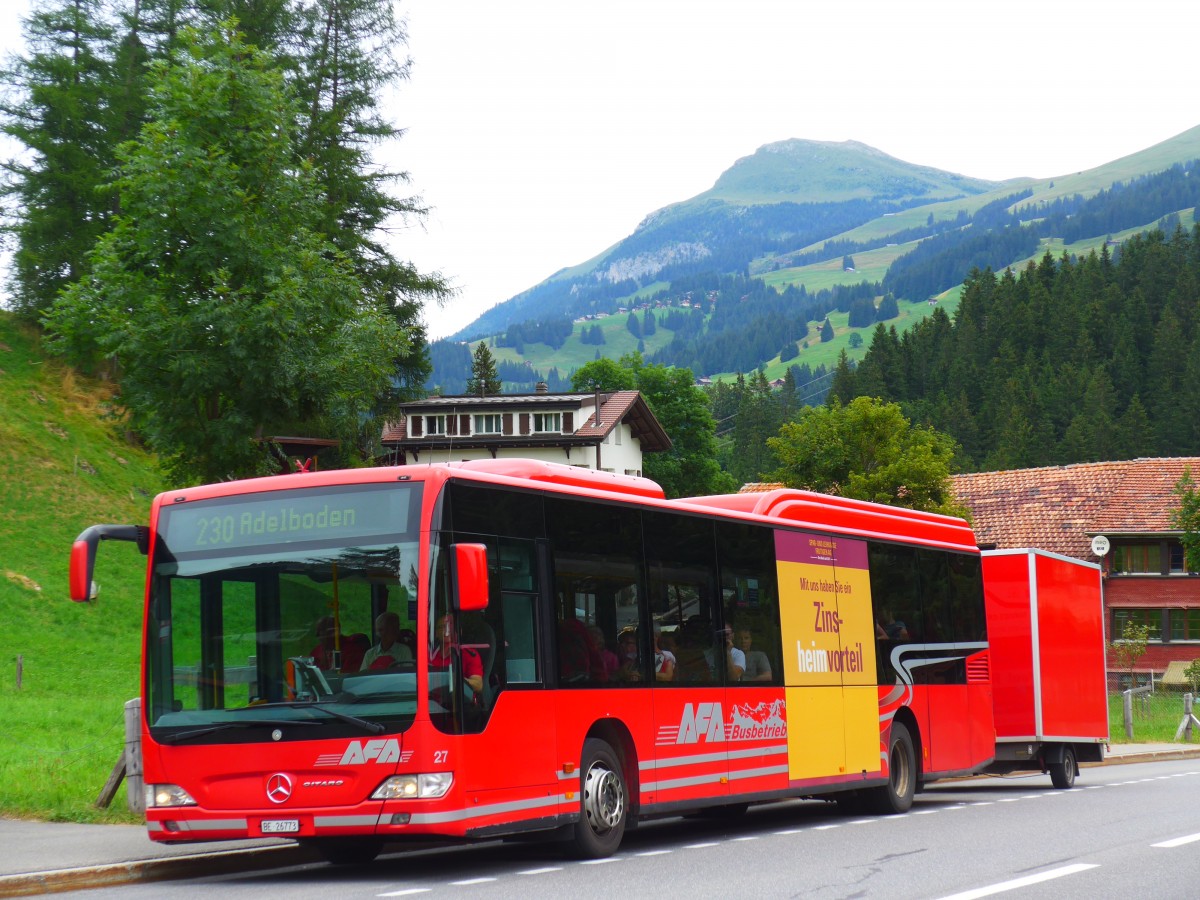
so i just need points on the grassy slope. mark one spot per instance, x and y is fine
(65, 467)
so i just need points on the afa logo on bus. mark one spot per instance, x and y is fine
(706, 722)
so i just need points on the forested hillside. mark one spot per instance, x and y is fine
(722, 288)
(1069, 360)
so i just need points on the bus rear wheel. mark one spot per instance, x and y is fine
(897, 795)
(603, 803)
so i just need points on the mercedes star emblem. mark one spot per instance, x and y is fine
(279, 788)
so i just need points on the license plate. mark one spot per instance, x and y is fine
(280, 826)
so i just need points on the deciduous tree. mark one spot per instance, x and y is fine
(228, 314)
(868, 450)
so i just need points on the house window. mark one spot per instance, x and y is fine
(1137, 559)
(435, 425)
(1175, 556)
(489, 423)
(546, 422)
(1151, 618)
(1185, 624)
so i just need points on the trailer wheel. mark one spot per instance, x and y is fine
(897, 795)
(603, 803)
(1062, 773)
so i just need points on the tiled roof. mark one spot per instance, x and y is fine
(1059, 508)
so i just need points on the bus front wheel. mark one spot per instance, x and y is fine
(897, 795)
(603, 802)
(347, 851)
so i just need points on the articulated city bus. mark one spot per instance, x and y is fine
(511, 647)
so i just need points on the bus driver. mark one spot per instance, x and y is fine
(443, 653)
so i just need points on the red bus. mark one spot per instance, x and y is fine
(553, 650)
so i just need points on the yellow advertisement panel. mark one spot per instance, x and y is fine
(828, 642)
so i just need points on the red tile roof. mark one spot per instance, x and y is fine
(1059, 508)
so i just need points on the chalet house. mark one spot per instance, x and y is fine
(605, 431)
(1062, 508)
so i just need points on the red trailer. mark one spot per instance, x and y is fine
(1045, 620)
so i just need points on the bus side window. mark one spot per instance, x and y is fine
(750, 599)
(597, 582)
(681, 562)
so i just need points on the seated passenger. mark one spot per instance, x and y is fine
(735, 659)
(664, 660)
(442, 655)
(323, 653)
(628, 666)
(607, 657)
(758, 667)
(389, 650)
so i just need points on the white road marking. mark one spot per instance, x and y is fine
(1178, 842)
(546, 871)
(405, 893)
(1021, 882)
(470, 881)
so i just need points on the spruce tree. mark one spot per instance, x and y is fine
(59, 112)
(484, 380)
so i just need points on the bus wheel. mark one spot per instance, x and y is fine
(603, 801)
(1062, 773)
(347, 851)
(897, 795)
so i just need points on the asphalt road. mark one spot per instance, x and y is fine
(1128, 830)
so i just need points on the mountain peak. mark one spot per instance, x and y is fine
(798, 171)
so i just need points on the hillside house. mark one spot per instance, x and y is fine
(560, 428)
(1062, 508)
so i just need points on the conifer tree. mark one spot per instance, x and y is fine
(484, 380)
(60, 113)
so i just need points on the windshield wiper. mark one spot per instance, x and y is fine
(364, 724)
(224, 726)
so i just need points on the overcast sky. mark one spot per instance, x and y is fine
(542, 131)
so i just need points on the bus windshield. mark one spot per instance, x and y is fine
(284, 610)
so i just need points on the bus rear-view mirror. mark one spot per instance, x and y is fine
(470, 576)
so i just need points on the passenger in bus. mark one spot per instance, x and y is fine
(607, 657)
(894, 630)
(664, 660)
(692, 656)
(758, 667)
(389, 650)
(352, 647)
(443, 655)
(735, 659)
(579, 660)
(628, 668)
(322, 654)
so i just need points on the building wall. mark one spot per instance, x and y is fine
(1154, 592)
(624, 458)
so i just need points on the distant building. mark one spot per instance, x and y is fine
(1062, 508)
(560, 428)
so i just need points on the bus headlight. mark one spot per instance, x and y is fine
(415, 787)
(159, 795)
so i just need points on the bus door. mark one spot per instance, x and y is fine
(509, 741)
